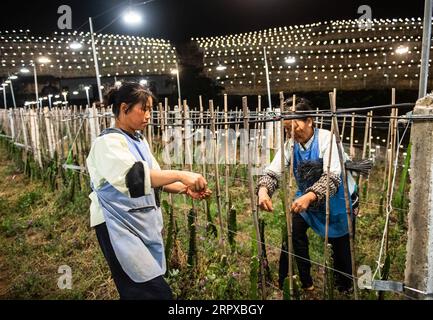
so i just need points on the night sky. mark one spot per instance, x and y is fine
(179, 20)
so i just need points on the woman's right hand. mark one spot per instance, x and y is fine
(265, 202)
(199, 195)
(194, 181)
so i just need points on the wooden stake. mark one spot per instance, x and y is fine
(343, 128)
(393, 125)
(187, 134)
(48, 131)
(328, 206)
(34, 131)
(235, 153)
(217, 176)
(370, 137)
(287, 202)
(346, 195)
(188, 162)
(43, 145)
(321, 122)
(203, 151)
(58, 132)
(253, 198)
(92, 123)
(104, 118)
(150, 132)
(164, 128)
(388, 141)
(352, 132)
(258, 138)
(24, 128)
(364, 153)
(202, 142)
(227, 166)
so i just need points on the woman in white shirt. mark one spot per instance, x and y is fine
(125, 210)
(311, 154)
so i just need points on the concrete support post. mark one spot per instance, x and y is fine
(419, 257)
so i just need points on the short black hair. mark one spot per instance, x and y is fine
(302, 105)
(130, 93)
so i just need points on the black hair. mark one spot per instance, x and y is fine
(130, 93)
(302, 105)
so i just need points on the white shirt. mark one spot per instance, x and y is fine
(109, 160)
(324, 148)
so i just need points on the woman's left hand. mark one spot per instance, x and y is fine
(199, 195)
(302, 203)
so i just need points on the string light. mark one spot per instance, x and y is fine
(360, 54)
(76, 45)
(70, 54)
(350, 53)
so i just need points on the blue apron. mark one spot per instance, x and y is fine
(315, 216)
(134, 224)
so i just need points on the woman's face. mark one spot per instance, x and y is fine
(303, 129)
(138, 115)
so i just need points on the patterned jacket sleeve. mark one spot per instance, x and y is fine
(319, 187)
(270, 181)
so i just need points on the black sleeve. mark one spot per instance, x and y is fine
(135, 180)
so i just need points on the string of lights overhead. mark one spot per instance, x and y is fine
(318, 56)
(70, 54)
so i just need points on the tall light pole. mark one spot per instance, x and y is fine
(425, 51)
(95, 59)
(49, 100)
(64, 94)
(13, 77)
(4, 94)
(35, 77)
(87, 95)
(12, 93)
(129, 16)
(25, 70)
(176, 72)
(268, 82)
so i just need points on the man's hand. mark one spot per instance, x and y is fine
(265, 202)
(199, 195)
(302, 203)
